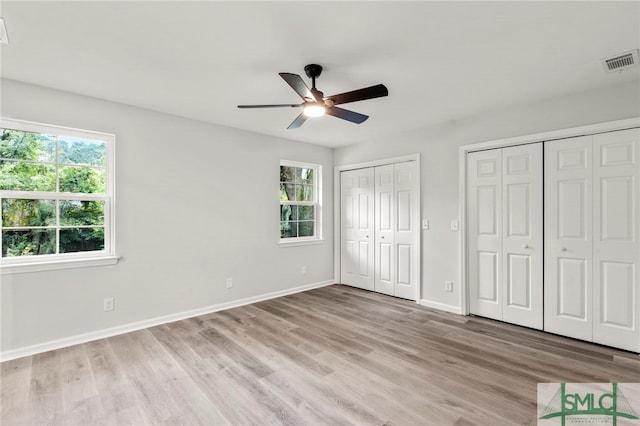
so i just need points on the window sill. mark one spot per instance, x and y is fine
(299, 243)
(19, 268)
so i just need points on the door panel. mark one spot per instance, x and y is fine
(568, 237)
(572, 288)
(485, 232)
(616, 249)
(384, 230)
(356, 191)
(522, 240)
(407, 230)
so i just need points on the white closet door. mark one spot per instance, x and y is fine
(568, 237)
(407, 230)
(522, 248)
(616, 254)
(385, 218)
(484, 206)
(357, 227)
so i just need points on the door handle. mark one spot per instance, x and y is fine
(382, 237)
(563, 249)
(526, 246)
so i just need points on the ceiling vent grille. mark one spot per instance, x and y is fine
(621, 62)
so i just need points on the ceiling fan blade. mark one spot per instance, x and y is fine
(270, 106)
(298, 121)
(297, 83)
(345, 114)
(376, 91)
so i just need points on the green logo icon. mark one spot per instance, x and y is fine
(600, 403)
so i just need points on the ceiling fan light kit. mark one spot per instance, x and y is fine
(315, 104)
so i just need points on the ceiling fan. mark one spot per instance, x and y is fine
(316, 104)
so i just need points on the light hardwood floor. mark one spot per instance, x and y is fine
(334, 355)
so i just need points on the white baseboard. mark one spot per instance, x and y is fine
(138, 325)
(441, 306)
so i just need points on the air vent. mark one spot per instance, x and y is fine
(621, 62)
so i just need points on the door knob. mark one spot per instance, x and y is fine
(382, 237)
(563, 249)
(525, 246)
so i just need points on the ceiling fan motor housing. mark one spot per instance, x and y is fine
(313, 71)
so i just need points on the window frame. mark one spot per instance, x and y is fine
(107, 256)
(317, 203)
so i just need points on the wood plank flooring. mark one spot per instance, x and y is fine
(334, 356)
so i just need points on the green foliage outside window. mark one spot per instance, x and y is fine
(50, 166)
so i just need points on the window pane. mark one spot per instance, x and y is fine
(288, 229)
(30, 242)
(82, 151)
(306, 212)
(287, 192)
(22, 212)
(73, 240)
(305, 229)
(19, 176)
(287, 174)
(304, 176)
(21, 145)
(288, 213)
(87, 180)
(73, 212)
(304, 192)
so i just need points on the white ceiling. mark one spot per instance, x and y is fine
(441, 61)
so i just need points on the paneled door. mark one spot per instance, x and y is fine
(616, 234)
(592, 233)
(380, 216)
(385, 218)
(484, 204)
(505, 234)
(522, 247)
(568, 237)
(407, 230)
(357, 228)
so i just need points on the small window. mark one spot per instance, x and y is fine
(299, 201)
(56, 193)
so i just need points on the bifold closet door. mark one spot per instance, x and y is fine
(397, 230)
(380, 229)
(505, 234)
(616, 234)
(592, 233)
(357, 228)
(568, 237)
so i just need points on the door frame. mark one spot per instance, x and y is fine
(337, 199)
(609, 126)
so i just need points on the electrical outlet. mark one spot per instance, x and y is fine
(107, 304)
(448, 286)
(303, 270)
(229, 282)
(425, 224)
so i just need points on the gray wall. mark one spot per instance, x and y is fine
(439, 147)
(195, 204)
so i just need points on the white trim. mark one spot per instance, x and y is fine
(590, 129)
(441, 306)
(284, 243)
(85, 262)
(139, 325)
(337, 208)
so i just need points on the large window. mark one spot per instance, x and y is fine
(299, 201)
(56, 189)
